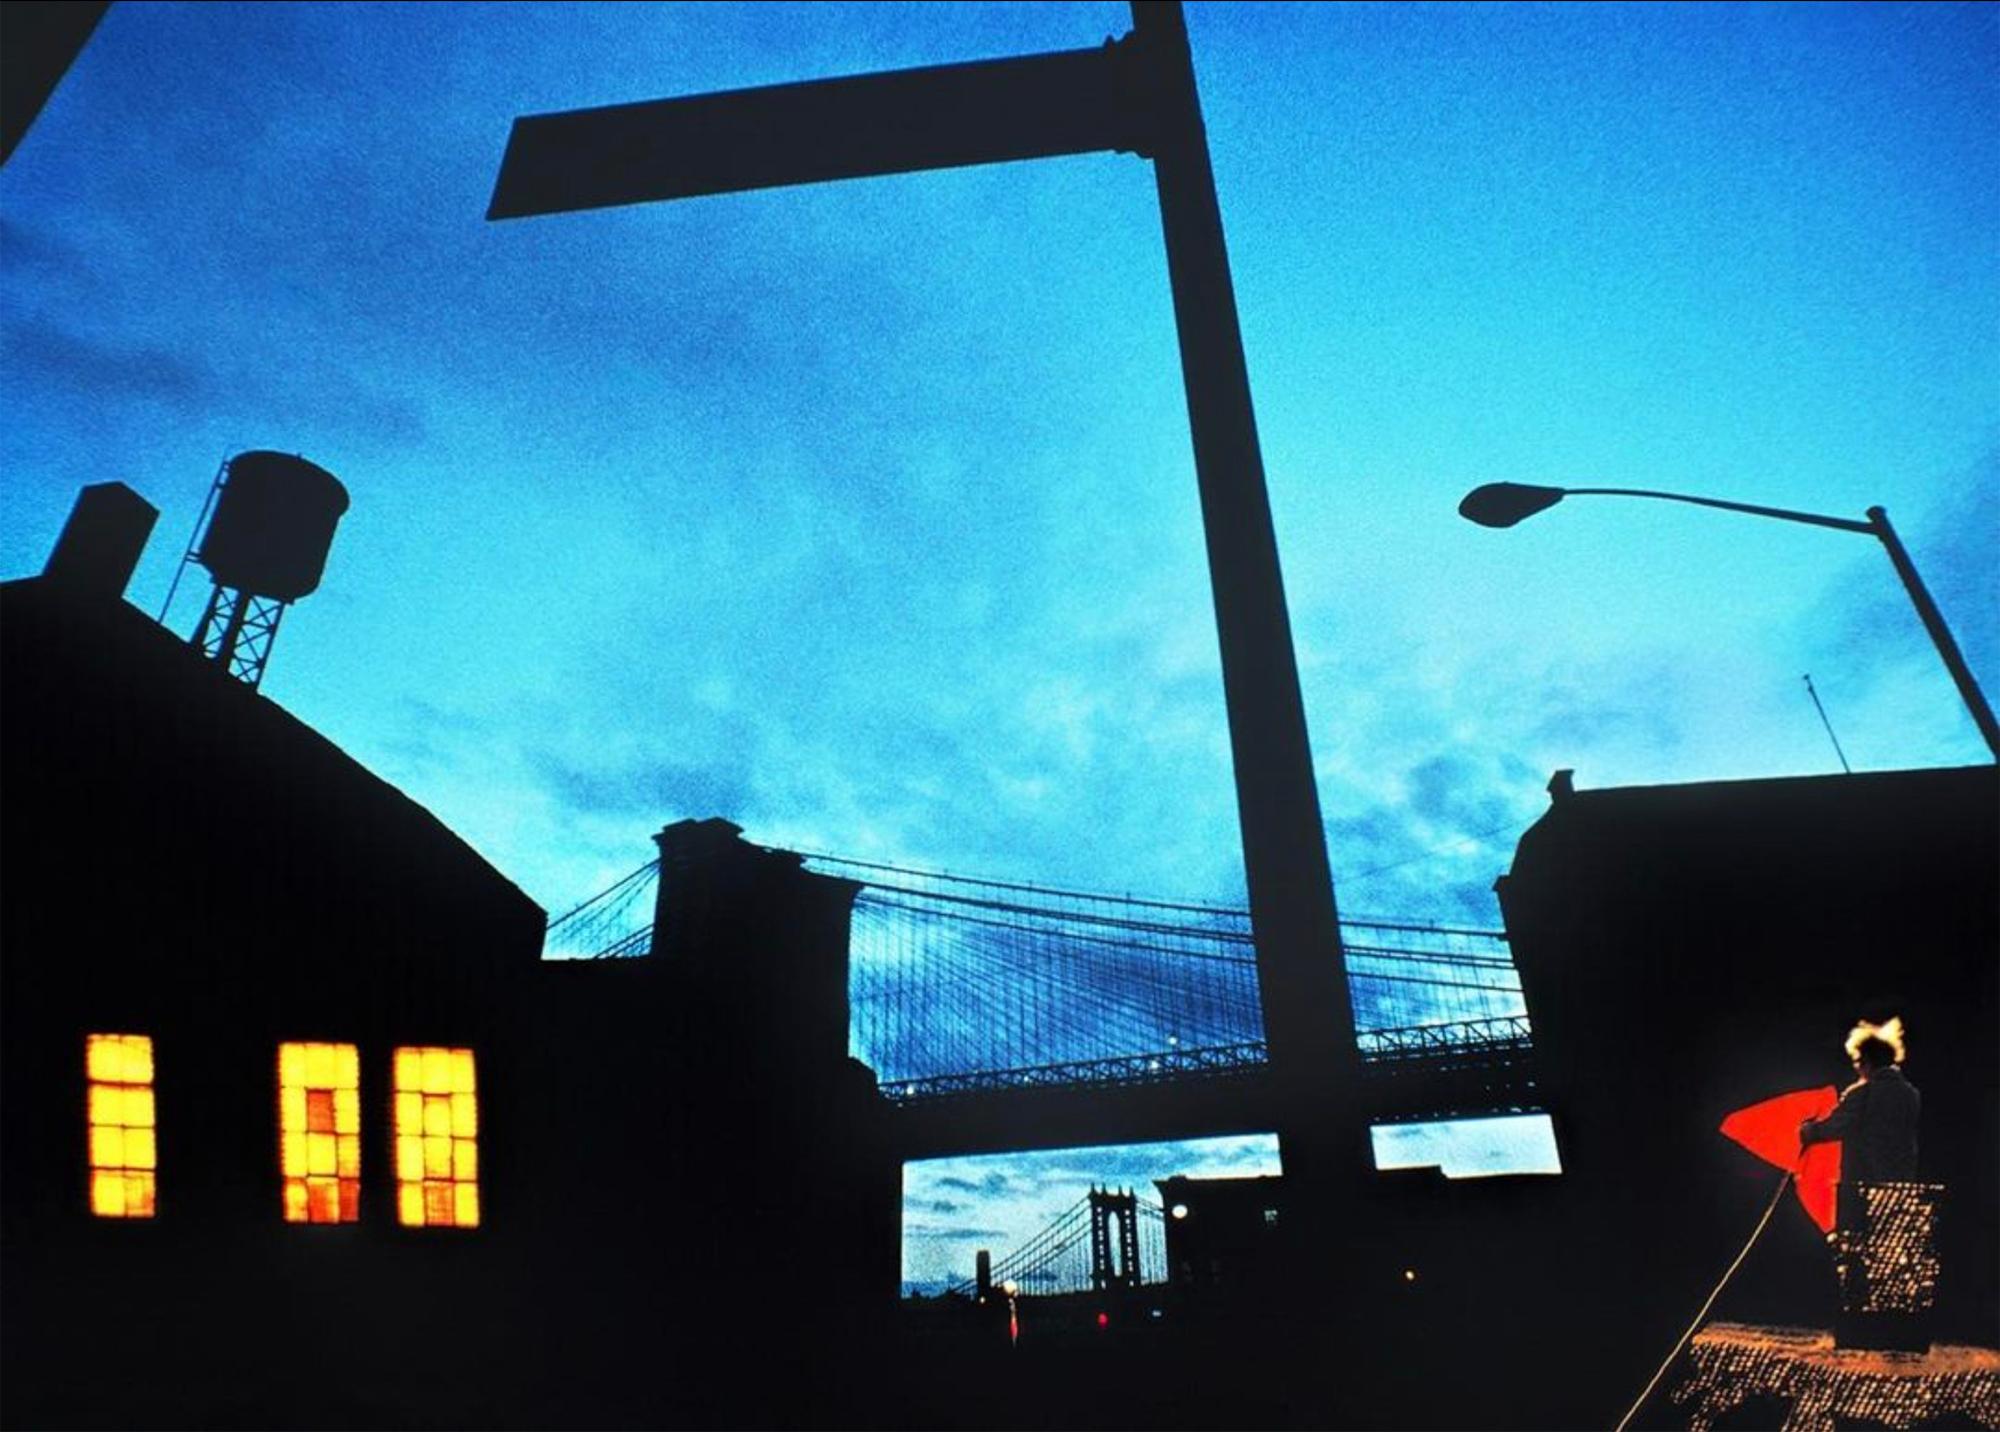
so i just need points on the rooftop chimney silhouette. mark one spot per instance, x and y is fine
(101, 542)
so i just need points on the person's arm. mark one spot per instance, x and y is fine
(1838, 1123)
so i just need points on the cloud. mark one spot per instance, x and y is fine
(24, 247)
(289, 392)
(943, 1234)
(328, 397)
(649, 789)
(60, 355)
(992, 1182)
(1425, 840)
(1454, 789)
(426, 733)
(1951, 545)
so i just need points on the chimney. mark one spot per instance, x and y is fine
(101, 542)
(1562, 785)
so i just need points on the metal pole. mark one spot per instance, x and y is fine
(1941, 638)
(1308, 1021)
(1878, 525)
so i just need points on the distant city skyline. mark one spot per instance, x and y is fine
(863, 514)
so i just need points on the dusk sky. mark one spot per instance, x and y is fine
(864, 514)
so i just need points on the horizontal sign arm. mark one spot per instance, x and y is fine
(1069, 102)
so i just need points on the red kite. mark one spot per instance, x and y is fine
(1770, 1130)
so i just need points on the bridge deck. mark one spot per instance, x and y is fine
(1418, 1074)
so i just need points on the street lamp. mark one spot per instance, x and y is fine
(1502, 504)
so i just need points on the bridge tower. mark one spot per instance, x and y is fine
(1106, 1208)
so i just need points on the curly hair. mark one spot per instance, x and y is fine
(1876, 1044)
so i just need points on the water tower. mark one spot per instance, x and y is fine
(273, 516)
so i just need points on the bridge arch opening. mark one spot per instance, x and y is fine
(1032, 1212)
(1470, 1148)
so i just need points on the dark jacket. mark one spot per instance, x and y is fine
(1876, 1124)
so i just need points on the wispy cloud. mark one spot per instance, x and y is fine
(28, 248)
(648, 790)
(60, 355)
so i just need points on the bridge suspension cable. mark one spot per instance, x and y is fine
(958, 977)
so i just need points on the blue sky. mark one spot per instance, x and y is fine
(864, 515)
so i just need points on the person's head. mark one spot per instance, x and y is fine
(1875, 1046)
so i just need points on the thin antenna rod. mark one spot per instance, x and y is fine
(194, 538)
(1828, 724)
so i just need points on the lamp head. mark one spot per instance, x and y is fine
(1502, 504)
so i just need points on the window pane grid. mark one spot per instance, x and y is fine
(124, 1148)
(436, 1114)
(319, 1132)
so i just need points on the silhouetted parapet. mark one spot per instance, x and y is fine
(1798, 1377)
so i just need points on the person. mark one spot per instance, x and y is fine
(1876, 1119)
(1885, 1260)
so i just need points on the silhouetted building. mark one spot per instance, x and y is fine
(1222, 1232)
(204, 897)
(1688, 950)
(298, 1126)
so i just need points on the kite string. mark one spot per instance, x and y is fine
(1758, 1232)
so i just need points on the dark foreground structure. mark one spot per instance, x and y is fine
(299, 1129)
(233, 958)
(1690, 950)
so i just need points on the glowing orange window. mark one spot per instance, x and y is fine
(123, 1153)
(437, 1138)
(319, 1132)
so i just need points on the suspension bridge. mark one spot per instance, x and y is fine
(1104, 1240)
(1000, 1015)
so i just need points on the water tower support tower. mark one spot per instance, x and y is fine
(236, 631)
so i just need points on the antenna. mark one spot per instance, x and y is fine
(1828, 724)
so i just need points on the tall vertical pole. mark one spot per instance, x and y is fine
(1940, 634)
(1308, 1021)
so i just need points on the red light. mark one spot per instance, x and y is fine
(1104, 1320)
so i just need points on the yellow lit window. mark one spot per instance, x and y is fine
(437, 1138)
(124, 1156)
(319, 1132)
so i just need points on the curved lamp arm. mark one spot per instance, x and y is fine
(1783, 514)
(1502, 504)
